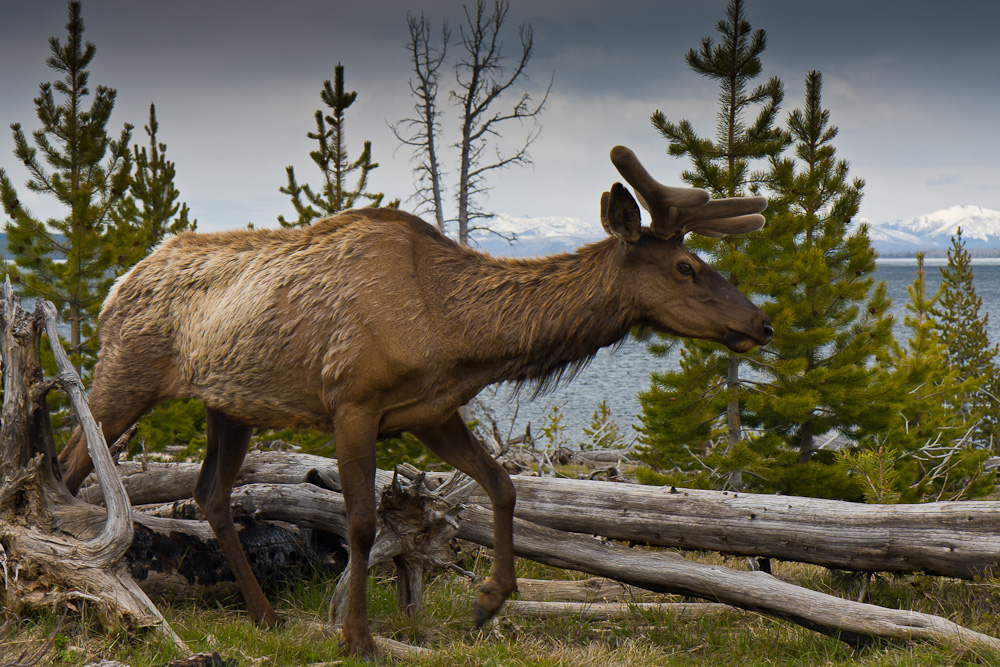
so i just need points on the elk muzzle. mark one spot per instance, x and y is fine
(759, 332)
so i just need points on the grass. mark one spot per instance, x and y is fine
(445, 626)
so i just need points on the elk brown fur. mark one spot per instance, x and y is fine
(372, 322)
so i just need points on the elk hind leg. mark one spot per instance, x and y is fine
(457, 446)
(355, 434)
(227, 445)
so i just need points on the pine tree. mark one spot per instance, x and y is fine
(962, 327)
(928, 440)
(70, 261)
(152, 211)
(331, 157)
(723, 168)
(603, 432)
(152, 208)
(826, 365)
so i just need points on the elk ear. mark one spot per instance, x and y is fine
(620, 214)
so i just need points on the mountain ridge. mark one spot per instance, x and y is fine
(930, 234)
(521, 236)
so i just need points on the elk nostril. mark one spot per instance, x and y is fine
(768, 331)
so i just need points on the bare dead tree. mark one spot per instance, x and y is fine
(423, 131)
(482, 81)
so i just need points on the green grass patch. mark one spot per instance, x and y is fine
(445, 627)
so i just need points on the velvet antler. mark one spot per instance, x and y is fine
(676, 211)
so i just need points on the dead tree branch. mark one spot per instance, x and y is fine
(44, 562)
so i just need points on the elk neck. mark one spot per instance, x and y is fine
(535, 321)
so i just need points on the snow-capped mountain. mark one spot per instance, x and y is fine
(540, 236)
(933, 232)
(929, 233)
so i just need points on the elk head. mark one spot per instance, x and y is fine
(677, 292)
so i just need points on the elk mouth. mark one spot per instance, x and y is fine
(737, 341)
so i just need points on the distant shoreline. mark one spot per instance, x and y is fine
(975, 253)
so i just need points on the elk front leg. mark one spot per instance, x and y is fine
(456, 445)
(228, 440)
(355, 435)
(127, 384)
(114, 417)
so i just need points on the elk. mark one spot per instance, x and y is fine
(372, 322)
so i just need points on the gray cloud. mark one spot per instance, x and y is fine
(913, 91)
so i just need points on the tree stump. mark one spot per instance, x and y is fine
(43, 561)
(416, 527)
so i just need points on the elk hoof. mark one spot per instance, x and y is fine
(359, 643)
(490, 599)
(480, 613)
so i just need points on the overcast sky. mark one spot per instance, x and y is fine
(914, 88)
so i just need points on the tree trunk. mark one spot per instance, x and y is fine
(733, 427)
(806, 442)
(50, 563)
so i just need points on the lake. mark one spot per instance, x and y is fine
(618, 376)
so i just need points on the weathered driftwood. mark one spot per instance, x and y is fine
(663, 572)
(416, 524)
(957, 539)
(610, 611)
(158, 482)
(181, 527)
(43, 562)
(415, 528)
(595, 589)
(852, 622)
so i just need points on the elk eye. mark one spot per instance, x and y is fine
(685, 269)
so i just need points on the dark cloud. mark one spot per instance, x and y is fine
(913, 87)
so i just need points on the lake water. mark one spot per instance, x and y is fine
(618, 376)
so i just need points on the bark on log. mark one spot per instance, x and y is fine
(853, 622)
(177, 564)
(175, 553)
(954, 539)
(591, 590)
(48, 563)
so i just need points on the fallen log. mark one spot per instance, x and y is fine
(175, 554)
(595, 589)
(856, 623)
(954, 539)
(189, 565)
(159, 482)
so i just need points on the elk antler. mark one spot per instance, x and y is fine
(676, 211)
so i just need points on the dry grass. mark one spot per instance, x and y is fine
(445, 628)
